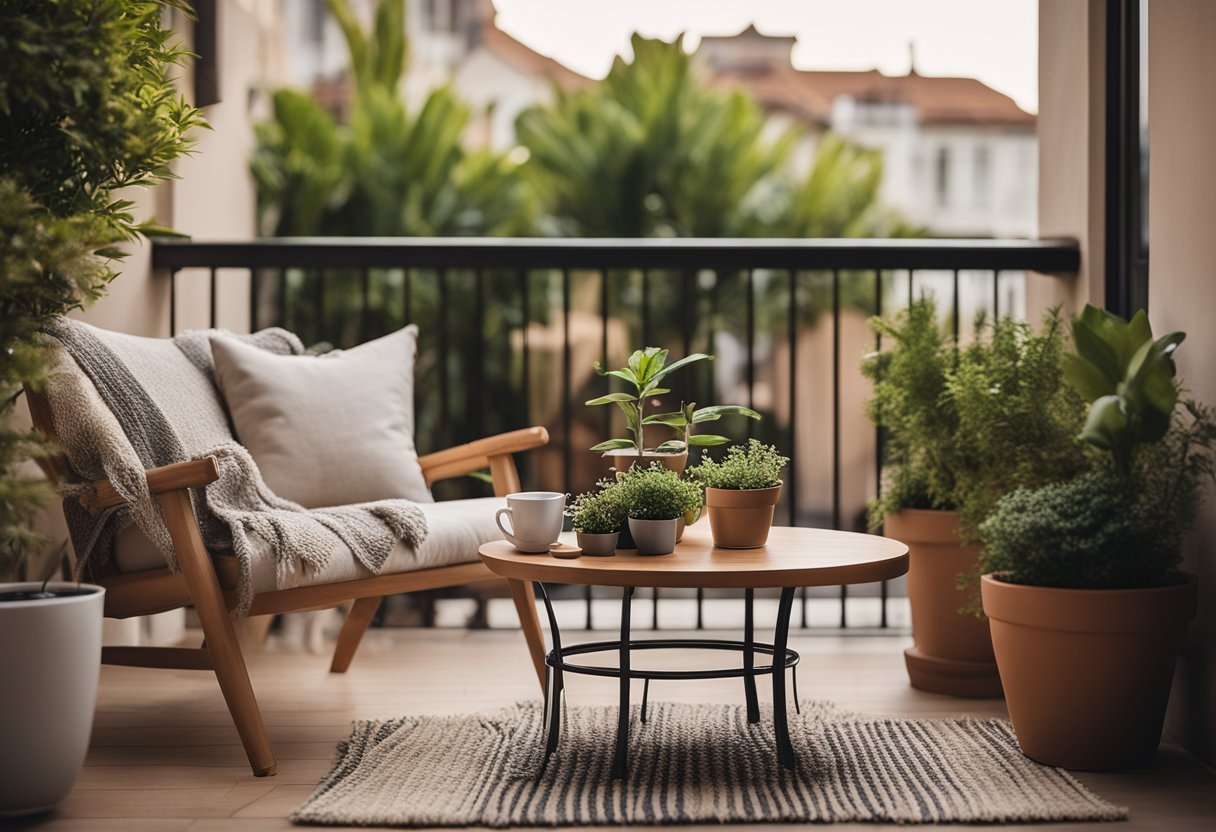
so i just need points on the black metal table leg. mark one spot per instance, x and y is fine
(785, 750)
(749, 660)
(619, 762)
(556, 683)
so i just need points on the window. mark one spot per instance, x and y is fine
(942, 179)
(981, 176)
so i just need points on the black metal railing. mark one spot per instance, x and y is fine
(509, 329)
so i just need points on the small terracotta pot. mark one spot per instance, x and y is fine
(1087, 672)
(623, 458)
(953, 651)
(597, 544)
(740, 519)
(653, 537)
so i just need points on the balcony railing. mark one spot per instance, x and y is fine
(510, 328)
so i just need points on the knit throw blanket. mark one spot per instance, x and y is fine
(154, 402)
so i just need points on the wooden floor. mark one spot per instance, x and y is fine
(165, 756)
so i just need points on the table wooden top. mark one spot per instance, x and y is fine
(793, 557)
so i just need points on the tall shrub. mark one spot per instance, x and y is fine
(87, 108)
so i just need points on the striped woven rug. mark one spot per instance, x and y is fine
(690, 764)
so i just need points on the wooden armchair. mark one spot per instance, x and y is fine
(208, 582)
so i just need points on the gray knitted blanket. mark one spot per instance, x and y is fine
(154, 402)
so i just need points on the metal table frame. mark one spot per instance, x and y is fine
(782, 659)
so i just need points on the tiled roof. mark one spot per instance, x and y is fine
(938, 100)
(529, 60)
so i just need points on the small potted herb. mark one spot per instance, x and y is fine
(741, 493)
(657, 500)
(597, 517)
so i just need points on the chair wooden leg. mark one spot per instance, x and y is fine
(525, 608)
(224, 650)
(357, 622)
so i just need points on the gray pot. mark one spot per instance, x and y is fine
(597, 544)
(653, 537)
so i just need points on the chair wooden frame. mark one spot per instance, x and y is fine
(209, 582)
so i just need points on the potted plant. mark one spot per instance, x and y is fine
(961, 428)
(741, 493)
(657, 499)
(644, 373)
(1082, 587)
(597, 516)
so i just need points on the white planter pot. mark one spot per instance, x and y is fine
(653, 537)
(50, 661)
(597, 544)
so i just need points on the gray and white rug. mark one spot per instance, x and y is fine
(690, 764)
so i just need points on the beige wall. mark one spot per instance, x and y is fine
(1071, 147)
(1182, 291)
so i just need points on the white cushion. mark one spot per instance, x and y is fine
(457, 528)
(329, 430)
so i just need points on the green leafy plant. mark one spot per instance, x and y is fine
(690, 415)
(1017, 418)
(601, 510)
(644, 372)
(87, 109)
(657, 493)
(756, 466)
(910, 405)
(1121, 524)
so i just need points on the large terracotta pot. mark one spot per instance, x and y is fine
(740, 519)
(622, 459)
(1087, 672)
(953, 650)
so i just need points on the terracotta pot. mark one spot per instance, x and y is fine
(653, 537)
(622, 459)
(1087, 672)
(597, 544)
(953, 651)
(740, 519)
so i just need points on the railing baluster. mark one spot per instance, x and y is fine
(441, 315)
(836, 513)
(996, 295)
(606, 415)
(475, 420)
(255, 296)
(751, 347)
(212, 290)
(646, 308)
(281, 300)
(172, 302)
(878, 441)
(406, 301)
(525, 376)
(318, 303)
(365, 304)
(792, 474)
(957, 307)
(567, 420)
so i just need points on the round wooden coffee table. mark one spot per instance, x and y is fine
(793, 557)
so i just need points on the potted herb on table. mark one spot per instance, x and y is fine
(741, 493)
(644, 373)
(657, 500)
(1087, 606)
(597, 517)
(962, 427)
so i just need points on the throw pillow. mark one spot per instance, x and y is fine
(327, 430)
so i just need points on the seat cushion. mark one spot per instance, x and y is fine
(329, 430)
(457, 528)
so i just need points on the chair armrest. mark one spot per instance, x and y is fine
(473, 456)
(175, 477)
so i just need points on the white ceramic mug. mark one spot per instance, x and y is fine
(536, 519)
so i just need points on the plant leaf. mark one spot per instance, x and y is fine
(610, 398)
(672, 446)
(1088, 380)
(613, 445)
(707, 439)
(717, 411)
(674, 419)
(688, 359)
(1106, 423)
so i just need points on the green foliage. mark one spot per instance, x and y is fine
(644, 371)
(1018, 421)
(1122, 523)
(658, 493)
(689, 415)
(86, 108)
(909, 402)
(653, 151)
(600, 511)
(1127, 378)
(388, 171)
(757, 466)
